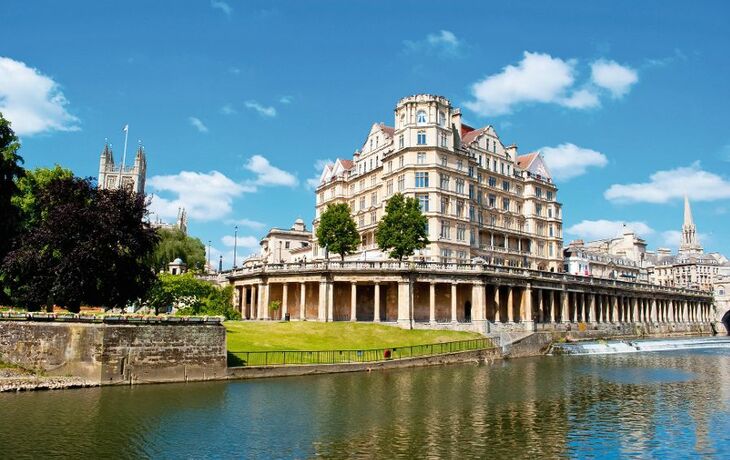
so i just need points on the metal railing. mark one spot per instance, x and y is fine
(300, 357)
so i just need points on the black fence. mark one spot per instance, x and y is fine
(282, 358)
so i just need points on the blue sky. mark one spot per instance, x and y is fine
(238, 102)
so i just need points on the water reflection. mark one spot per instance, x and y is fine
(668, 405)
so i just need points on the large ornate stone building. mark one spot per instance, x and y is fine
(481, 198)
(133, 177)
(691, 267)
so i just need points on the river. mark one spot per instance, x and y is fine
(645, 405)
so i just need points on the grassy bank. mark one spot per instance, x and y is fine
(265, 336)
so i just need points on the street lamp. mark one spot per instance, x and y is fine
(235, 244)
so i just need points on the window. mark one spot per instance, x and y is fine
(471, 171)
(550, 196)
(401, 141)
(550, 232)
(492, 200)
(361, 221)
(479, 177)
(492, 181)
(421, 138)
(445, 255)
(480, 217)
(403, 120)
(362, 202)
(459, 208)
(459, 185)
(400, 161)
(421, 179)
(372, 180)
(442, 119)
(373, 217)
(471, 191)
(459, 165)
(505, 186)
(389, 187)
(390, 166)
(444, 140)
(444, 181)
(444, 160)
(461, 233)
(421, 158)
(352, 189)
(538, 192)
(550, 212)
(494, 165)
(444, 205)
(538, 209)
(321, 197)
(505, 204)
(492, 220)
(362, 184)
(423, 201)
(421, 117)
(445, 230)
(471, 213)
(374, 199)
(286, 245)
(501, 167)
(401, 182)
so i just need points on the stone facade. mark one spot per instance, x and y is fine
(587, 260)
(132, 178)
(283, 246)
(481, 198)
(111, 353)
(473, 297)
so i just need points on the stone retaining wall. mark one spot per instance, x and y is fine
(117, 352)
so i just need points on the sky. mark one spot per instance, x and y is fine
(240, 103)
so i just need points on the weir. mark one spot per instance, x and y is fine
(639, 346)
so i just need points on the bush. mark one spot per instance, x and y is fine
(191, 297)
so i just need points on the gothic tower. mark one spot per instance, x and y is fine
(132, 177)
(689, 244)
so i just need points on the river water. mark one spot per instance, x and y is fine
(652, 405)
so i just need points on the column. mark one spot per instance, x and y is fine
(322, 302)
(432, 303)
(635, 310)
(244, 309)
(541, 305)
(478, 302)
(510, 306)
(497, 306)
(353, 301)
(564, 314)
(254, 302)
(404, 302)
(614, 310)
(591, 309)
(265, 301)
(331, 301)
(653, 312)
(376, 308)
(670, 315)
(453, 302)
(526, 309)
(303, 301)
(284, 300)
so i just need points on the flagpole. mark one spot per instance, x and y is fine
(124, 157)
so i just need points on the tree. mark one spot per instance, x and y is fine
(29, 187)
(403, 228)
(191, 296)
(337, 231)
(10, 171)
(173, 244)
(87, 246)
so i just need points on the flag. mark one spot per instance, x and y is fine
(126, 128)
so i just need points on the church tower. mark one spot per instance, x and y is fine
(690, 244)
(133, 177)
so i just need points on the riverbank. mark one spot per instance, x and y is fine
(14, 378)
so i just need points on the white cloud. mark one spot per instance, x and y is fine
(601, 229)
(673, 238)
(285, 99)
(613, 76)
(566, 161)
(33, 102)
(313, 182)
(223, 6)
(443, 42)
(582, 99)
(267, 174)
(245, 242)
(197, 124)
(664, 186)
(228, 110)
(204, 196)
(252, 224)
(537, 78)
(269, 112)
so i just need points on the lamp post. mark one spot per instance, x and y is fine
(235, 244)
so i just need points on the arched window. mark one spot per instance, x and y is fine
(442, 119)
(402, 120)
(421, 117)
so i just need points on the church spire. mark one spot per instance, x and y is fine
(689, 244)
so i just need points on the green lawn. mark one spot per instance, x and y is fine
(309, 335)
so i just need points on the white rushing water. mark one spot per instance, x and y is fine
(602, 347)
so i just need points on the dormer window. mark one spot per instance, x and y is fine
(421, 117)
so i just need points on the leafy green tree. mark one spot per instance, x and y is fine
(87, 246)
(192, 296)
(337, 231)
(29, 187)
(403, 228)
(10, 171)
(173, 244)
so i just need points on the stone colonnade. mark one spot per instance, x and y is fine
(433, 299)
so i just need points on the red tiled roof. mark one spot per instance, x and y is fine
(523, 161)
(389, 130)
(347, 164)
(471, 136)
